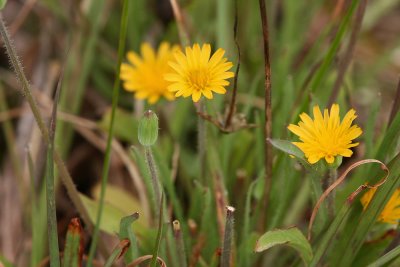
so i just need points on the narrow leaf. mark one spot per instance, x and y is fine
(394, 253)
(126, 232)
(291, 237)
(73, 251)
(118, 251)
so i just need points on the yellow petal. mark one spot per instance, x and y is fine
(196, 96)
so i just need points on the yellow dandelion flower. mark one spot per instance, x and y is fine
(391, 212)
(145, 75)
(325, 136)
(195, 73)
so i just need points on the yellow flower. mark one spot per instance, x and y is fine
(145, 76)
(391, 212)
(195, 73)
(325, 136)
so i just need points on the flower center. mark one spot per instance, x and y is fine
(198, 79)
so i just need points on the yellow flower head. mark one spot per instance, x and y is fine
(325, 136)
(195, 73)
(145, 76)
(391, 212)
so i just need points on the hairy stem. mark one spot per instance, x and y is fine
(27, 92)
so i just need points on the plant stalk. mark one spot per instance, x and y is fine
(268, 113)
(106, 164)
(228, 237)
(27, 93)
(154, 176)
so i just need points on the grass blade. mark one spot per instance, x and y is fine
(394, 253)
(126, 232)
(153, 262)
(117, 253)
(106, 164)
(370, 215)
(73, 252)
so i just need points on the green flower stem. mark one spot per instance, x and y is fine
(27, 92)
(154, 176)
(316, 187)
(201, 142)
(106, 164)
(156, 249)
(331, 197)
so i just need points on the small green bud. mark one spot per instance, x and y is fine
(148, 128)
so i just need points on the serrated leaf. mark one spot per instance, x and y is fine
(291, 237)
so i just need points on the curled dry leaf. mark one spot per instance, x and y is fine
(354, 194)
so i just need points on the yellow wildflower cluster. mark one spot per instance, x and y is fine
(171, 72)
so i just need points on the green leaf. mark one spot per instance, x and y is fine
(288, 147)
(126, 232)
(388, 257)
(291, 237)
(110, 222)
(73, 251)
(120, 198)
(2, 4)
(118, 251)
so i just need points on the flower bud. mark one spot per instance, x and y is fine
(148, 128)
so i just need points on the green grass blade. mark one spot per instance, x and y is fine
(73, 252)
(388, 257)
(106, 164)
(126, 232)
(156, 249)
(118, 251)
(370, 215)
(323, 245)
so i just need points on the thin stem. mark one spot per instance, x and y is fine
(316, 193)
(106, 164)
(153, 262)
(232, 106)
(201, 142)
(268, 112)
(154, 175)
(27, 92)
(180, 246)
(228, 237)
(331, 197)
(180, 21)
